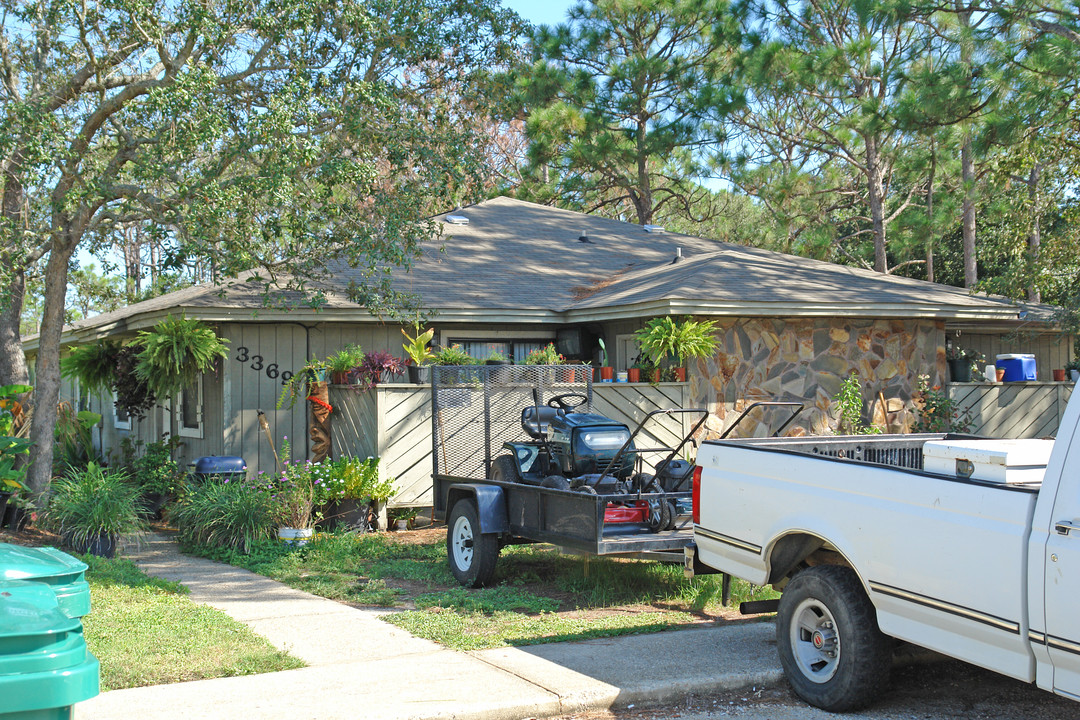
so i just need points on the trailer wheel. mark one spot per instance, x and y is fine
(505, 469)
(834, 655)
(472, 554)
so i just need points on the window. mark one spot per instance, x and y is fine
(513, 344)
(121, 419)
(189, 411)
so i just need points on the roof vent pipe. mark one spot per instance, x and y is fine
(584, 237)
(678, 255)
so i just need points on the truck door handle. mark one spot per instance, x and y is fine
(1064, 527)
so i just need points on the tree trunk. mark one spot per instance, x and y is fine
(1035, 237)
(47, 376)
(875, 194)
(644, 201)
(12, 360)
(930, 216)
(967, 165)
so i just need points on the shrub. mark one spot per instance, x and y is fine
(155, 470)
(93, 501)
(230, 515)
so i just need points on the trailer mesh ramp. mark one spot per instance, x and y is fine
(477, 408)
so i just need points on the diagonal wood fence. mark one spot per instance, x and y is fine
(1013, 409)
(393, 422)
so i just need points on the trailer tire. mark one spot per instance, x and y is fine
(834, 655)
(504, 468)
(471, 554)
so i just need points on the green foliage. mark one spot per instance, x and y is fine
(94, 501)
(546, 355)
(299, 384)
(453, 355)
(620, 102)
(665, 337)
(231, 515)
(850, 401)
(74, 443)
(93, 364)
(937, 411)
(346, 359)
(12, 471)
(417, 346)
(155, 470)
(175, 353)
(360, 479)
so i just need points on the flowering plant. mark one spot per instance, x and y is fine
(545, 356)
(294, 491)
(955, 352)
(376, 367)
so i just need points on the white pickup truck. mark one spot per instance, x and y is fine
(968, 547)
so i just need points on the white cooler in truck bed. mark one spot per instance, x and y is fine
(1003, 461)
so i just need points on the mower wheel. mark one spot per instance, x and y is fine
(472, 554)
(555, 482)
(504, 468)
(586, 489)
(674, 515)
(659, 515)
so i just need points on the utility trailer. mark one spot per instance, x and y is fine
(483, 413)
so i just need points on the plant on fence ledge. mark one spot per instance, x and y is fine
(546, 355)
(345, 362)
(937, 411)
(453, 355)
(376, 368)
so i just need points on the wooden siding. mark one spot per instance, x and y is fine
(393, 422)
(1013, 410)
(1050, 351)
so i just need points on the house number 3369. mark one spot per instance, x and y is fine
(243, 355)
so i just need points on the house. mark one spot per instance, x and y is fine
(511, 276)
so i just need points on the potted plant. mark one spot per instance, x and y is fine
(418, 349)
(1073, 369)
(92, 507)
(300, 382)
(665, 338)
(377, 367)
(960, 361)
(501, 373)
(344, 363)
(547, 355)
(295, 496)
(455, 356)
(607, 372)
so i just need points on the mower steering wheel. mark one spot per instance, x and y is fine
(559, 401)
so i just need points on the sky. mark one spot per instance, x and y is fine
(541, 12)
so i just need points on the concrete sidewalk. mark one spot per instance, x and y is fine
(360, 666)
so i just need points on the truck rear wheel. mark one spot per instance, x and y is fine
(472, 554)
(834, 655)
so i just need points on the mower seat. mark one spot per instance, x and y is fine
(534, 429)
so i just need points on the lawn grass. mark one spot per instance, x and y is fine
(145, 631)
(540, 594)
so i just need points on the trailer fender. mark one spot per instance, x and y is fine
(490, 505)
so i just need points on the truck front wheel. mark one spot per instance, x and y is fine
(472, 554)
(833, 653)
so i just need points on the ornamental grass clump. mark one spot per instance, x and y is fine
(231, 515)
(94, 502)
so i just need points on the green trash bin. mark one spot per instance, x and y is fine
(63, 573)
(45, 666)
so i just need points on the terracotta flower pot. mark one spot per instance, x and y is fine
(633, 375)
(680, 374)
(606, 374)
(1059, 375)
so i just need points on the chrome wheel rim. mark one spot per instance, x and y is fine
(815, 642)
(462, 543)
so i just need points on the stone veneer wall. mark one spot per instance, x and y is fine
(806, 361)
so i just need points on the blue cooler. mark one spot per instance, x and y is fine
(1018, 368)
